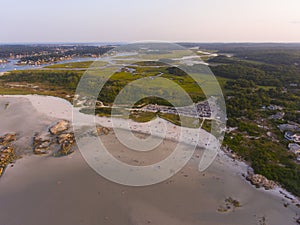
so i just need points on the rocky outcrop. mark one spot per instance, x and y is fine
(7, 153)
(57, 137)
(60, 127)
(57, 140)
(260, 181)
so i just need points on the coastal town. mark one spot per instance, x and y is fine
(199, 110)
(48, 54)
(289, 130)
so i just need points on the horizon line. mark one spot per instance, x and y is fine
(123, 42)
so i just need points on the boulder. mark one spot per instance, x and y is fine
(40, 150)
(4, 159)
(102, 130)
(60, 127)
(8, 138)
(7, 151)
(41, 137)
(7, 156)
(65, 148)
(66, 137)
(66, 141)
(41, 143)
(261, 181)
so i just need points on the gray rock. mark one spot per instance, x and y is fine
(261, 181)
(60, 127)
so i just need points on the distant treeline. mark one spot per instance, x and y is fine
(260, 73)
(272, 53)
(66, 79)
(7, 51)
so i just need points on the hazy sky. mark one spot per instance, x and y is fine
(138, 20)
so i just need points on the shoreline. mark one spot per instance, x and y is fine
(278, 191)
(224, 171)
(64, 110)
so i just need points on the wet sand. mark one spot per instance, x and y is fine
(48, 190)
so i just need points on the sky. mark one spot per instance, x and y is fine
(144, 20)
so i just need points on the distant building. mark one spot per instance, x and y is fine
(290, 127)
(277, 116)
(289, 135)
(292, 136)
(274, 107)
(295, 148)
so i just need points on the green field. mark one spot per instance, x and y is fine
(76, 65)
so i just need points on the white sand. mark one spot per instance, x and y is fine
(64, 110)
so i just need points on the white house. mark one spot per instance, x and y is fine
(292, 136)
(295, 148)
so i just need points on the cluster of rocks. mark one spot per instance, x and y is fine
(255, 179)
(59, 139)
(57, 135)
(7, 153)
(60, 135)
(260, 181)
(102, 130)
(229, 205)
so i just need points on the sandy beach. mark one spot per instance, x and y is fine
(48, 190)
